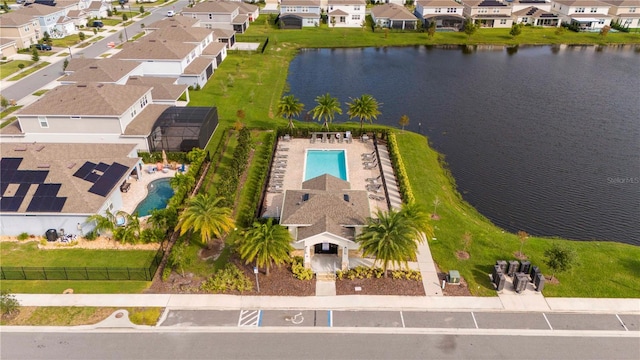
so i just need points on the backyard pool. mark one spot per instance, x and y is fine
(159, 194)
(332, 162)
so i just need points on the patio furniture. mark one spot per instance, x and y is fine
(151, 170)
(278, 171)
(373, 179)
(331, 139)
(339, 137)
(125, 187)
(376, 197)
(347, 136)
(282, 148)
(369, 166)
(287, 137)
(365, 138)
(281, 156)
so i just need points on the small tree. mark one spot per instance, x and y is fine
(9, 305)
(65, 64)
(46, 38)
(34, 55)
(559, 258)
(141, 9)
(5, 6)
(124, 17)
(431, 30)
(404, 121)
(516, 29)
(470, 28)
(21, 66)
(522, 236)
(95, 31)
(82, 36)
(605, 30)
(4, 102)
(109, 13)
(436, 202)
(179, 257)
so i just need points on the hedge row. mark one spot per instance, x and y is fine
(400, 170)
(195, 158)
(230, 177)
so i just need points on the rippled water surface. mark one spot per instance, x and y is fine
(541, 140)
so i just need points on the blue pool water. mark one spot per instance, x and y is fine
(320, 162)
(159, 194)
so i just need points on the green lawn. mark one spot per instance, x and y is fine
(78, 286)
(28, 254)
(30, 70)
(11, 67)
(604, 269)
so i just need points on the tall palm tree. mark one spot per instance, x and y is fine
(326, 109)
(365, 107)
(289, 106)
(266, 243)
(390, 238)
(419, 220)
(204, 214)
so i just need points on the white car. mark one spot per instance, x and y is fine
(170, 13)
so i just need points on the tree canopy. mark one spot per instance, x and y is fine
(266, 243)
(366, 107)
(326, 109)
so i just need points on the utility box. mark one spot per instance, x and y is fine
(539, 282)
(500, 282)
(534, 271)
(494, 274)
(52, 235)
(514, 265)
(503, 265)
(525, 267)
(520, 281)
(454, 277)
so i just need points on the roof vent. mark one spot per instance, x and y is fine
(71, 165)
(39, 148)
(43, 166)
(100, 85)
(82, 86)
(152, 40)
(20, 148)
(93, 67)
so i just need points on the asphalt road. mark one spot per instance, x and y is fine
(33, 82)
(284, 346)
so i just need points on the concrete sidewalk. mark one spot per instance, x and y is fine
(517, 303)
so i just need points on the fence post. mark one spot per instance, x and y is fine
(24, 274)
(86, 273)
(108, 277)
(66, 276)
(128, 274)
(44, 272)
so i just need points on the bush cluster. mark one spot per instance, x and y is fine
(8, 303)
(400, 170)
(231, 176)
(228, 279)
(195, 158)
(363, 272)
(299, 271)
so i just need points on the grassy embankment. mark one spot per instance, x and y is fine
(254, 82)
(74, 316)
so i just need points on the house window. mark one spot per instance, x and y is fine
(356, 8)
(594, 10)
(632, 10)
(208, 26)
(110, 206)
(43, 122)
(495, 11)
(143, 101)
(291, 9)
(133, 111)
(305, 9)
(210, 16)
(26, 28)
(451, 10)
(503, 21)
(627, 22)
(355, 17)
(580, 10)
(438, 10)
(342, 19)
(524, 20)
(601, 21)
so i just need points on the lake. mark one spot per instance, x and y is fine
(542, 139)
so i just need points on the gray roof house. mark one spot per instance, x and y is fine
(324, 218)
(393, 16)
(58, 186)
(100, 70)
(222, 14)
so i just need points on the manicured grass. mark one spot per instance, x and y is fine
(28, 254)
(604, 269)
(75, 315)
(8, 121)
(30, 70)
(40, 92)
(69, 40)
(11, 67)
(78, 286)
(8, 111)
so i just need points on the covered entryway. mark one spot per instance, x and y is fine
(326, 248)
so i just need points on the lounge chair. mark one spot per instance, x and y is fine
(279, 171)
(347, 136)
(369, 166)
(373, 179)
(282, 156)
(374, 186)
(287, 137)
(282, 148)
(376, 197)
(274, 190)
(370, 162)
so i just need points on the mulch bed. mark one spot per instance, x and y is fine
(454, 290)
(382, 286)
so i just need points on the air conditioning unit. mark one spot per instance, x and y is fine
(525, 267)
(520, 282)
(503, 265)
(500, 282)
(454, 277)
(534, 271)
(496, 272)
(514, 265)
(539, 282)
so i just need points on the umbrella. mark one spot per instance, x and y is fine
(164, 158)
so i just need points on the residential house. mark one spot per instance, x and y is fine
(324, 218)
(198, 36)
(536, 17)
(346, 13)
(58, 186)
(52, 19)
(517, 5)
(184, 21)
(107, 71)
(22, 28)
(79, 18)
(393, 16)
(446, 14)
(222, 14)
(98, 9)
(625, 12)
(228, 37)
(8, 48)
(588, 15)
(216, 50)
(166, 91)
(296, 14)
(168, 58)
(489, 13)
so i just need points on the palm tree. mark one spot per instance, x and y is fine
(204, 215)
(104, 223)
(289, 106)
(390, 238)
(130, 231)
(365, 107)
(326, 109)
(404, 121)
(163, 219)
(419, 220)
(182, 180)
(266, 243)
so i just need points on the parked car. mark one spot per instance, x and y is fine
(97, 24)
(43, 47)
(170, 13)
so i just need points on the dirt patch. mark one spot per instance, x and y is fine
(100, 243)
(462, 255)
(552, 280)
(520, 256)
(382, 286)
(211, 251)
(461, 289)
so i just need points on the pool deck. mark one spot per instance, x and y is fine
(138, 190)
(293, 171)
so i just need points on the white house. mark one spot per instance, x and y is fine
(393, 16)
(446, 14)
(589, 15)
(231, 15)
(536, 17)
(517, 5)
(22, 28)
(489, 13)
(198, 36)
(296, 14)
(625, 12)
(346, 13)
(98, 9)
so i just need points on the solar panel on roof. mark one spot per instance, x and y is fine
(102, 167)
(109, 179)
(92, 177)
(10, 163)
(39, 176)
(46, 204)
(85, 170)
(10, 203)
(22, 189)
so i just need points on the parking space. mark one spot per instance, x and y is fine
(294, 318)
(584, 322)
(423, 319)
(632, 322)
(493, 320)
(367, 319)
(201, 318)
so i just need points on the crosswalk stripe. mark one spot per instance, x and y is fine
(249, 318)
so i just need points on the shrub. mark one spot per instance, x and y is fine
(228, 279)
(166, 273)
(145, 316)
(91, 235)
(299, 271)
(400, 170)
(9, 305)
(23, 236)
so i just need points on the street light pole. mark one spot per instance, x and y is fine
(125, 34)
(70, 55)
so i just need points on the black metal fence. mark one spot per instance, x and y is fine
(82, 273)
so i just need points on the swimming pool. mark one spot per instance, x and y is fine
(332, 162)
(159, 194)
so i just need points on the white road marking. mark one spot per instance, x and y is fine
(547, 320)
(249, 318)
(622, 322)
(474, 320)
(402, 318)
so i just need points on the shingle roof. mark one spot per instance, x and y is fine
(338, 12)
(63, 161)
(15, 19)
(95, 5)
(223, 7)
(198, 65)
(532, 11)
(164, 88)
(39, 10)
(184, 21)
(580, 2)
(143, 123)
(153, 49)
(443, 3)
(326, 182)
(102, 70)
(392, 11)
(625, 3)
(86, 99)
(179, 33)
(347, 2)
(300, 3)
(296, 211)
(214, 48)
(223, 33)
(6, 41)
